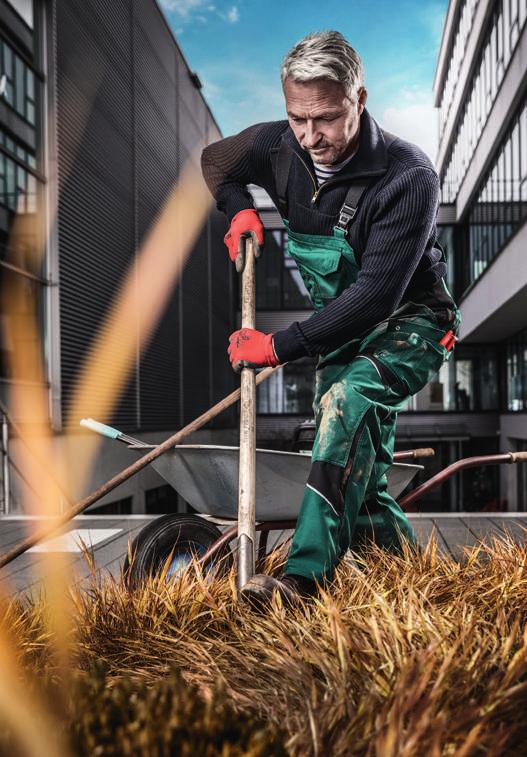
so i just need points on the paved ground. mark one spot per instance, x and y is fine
(109, 536)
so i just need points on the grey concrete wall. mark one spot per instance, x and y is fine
(496, 307)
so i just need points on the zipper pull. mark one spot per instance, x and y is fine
(315, 196)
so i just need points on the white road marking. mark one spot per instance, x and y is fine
(73, 540)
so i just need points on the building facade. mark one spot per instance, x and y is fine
(99, 112)
(481, 94)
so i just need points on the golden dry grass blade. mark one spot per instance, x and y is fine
(22, 710)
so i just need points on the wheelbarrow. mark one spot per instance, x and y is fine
(206, 477)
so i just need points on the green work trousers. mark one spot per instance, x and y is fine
(346, 501)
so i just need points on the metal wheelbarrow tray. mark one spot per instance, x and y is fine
(206, 476)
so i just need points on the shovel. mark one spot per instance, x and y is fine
(247, 467)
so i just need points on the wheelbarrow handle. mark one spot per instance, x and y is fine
(412, 454)
(100, 428)
(424, 452)
(518, 457)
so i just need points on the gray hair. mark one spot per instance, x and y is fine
(324, 55)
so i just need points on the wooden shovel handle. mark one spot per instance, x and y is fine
(247, 469)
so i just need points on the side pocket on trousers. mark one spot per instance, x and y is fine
(412, 359)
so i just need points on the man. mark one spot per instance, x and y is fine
(360, 207)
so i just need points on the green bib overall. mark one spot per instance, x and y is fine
(360, 387)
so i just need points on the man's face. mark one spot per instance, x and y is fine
(324, 120)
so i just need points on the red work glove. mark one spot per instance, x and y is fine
(251, 349)
(245, 223)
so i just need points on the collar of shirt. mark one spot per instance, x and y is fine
(323, 173)
(371, 158)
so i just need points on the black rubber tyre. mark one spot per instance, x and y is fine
(187, 536)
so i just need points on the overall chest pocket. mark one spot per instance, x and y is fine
(326, 273)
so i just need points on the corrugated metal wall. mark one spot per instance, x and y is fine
(129, 116)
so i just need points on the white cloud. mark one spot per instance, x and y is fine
(183, 8)
(197, 10)
(414, 118)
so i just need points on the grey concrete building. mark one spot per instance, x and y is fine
(480, 93)
(99, 111)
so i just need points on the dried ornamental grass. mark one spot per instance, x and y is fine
(406, 655)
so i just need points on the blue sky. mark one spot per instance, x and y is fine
(236, 49)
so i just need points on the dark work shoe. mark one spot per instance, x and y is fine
(291, 588)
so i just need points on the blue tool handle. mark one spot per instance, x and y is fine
(100, 428)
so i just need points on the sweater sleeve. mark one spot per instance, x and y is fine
(402, 227)
(231, 163)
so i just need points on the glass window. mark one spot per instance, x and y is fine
(14, 178)
(290, 390)
(30, 84)
(523, 144)
(506, 31)
(515, 167)
(464, 385)
(500, 204)
(489, 70)
(517, 372)
(8, 69)
(494, 60)
(279, 285)
(467, 382)
(456, 59)
(507, 150)
(501, 194)
(31, 194)
(30, 97)
(20, 89)
(3, 190)
(7, 56)
(10, 196)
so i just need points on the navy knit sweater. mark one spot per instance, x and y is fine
(393, 233)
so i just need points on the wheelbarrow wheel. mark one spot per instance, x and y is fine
(177, 537)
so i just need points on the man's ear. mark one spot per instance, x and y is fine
(363, 96)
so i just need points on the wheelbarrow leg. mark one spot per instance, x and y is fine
(228, 536)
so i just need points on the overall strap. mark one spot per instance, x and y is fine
(355, 192)
(350, 205)
(281, 159)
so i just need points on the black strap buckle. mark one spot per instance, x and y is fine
(347, 214)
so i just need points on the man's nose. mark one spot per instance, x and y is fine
(311, 135)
